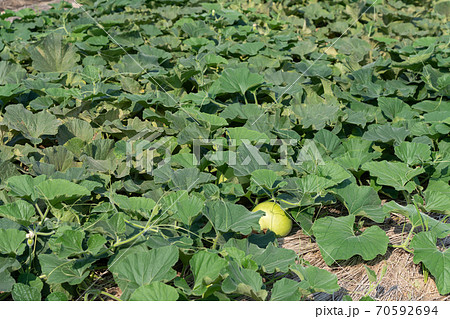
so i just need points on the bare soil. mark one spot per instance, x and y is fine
(34, 4)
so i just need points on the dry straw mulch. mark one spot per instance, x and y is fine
(403, 281)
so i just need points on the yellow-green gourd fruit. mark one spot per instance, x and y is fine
(275, 218)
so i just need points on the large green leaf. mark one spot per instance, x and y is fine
(275, 259)
(395, 109)
(143, 268)
(386, 133)
(25, 186)
(12, 241)
(413, 153)
(437, 196)
(397, 175)
(338, 241)
(207, 119)
(187, 209)
(60, 190)
(286, 290)
(357, 152)
(52, 55)
(249, 48)
(361, 201)
(333, 172)
(438, 262)
(139, 205)
(226, 216)
(206, 267)
(7, 265)
(68, 243)
(21, 292)
(244, 281)
(188, 179)
(314, 184)
(314, 279)
(155, 291)
(437, 201)
(237, 81)
(263, 180)
(32, 126)
(6, 281)
(19, 211)
(61, 270)
(317, 116)
(11, 73)
(242, 133)
(247, 159)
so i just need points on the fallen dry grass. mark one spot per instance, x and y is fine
(403, 281)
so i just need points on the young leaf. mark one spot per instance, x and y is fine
(438, 262)
(371, 274)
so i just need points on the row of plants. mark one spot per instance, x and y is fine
(139, 136)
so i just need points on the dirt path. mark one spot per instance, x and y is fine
(34, 4)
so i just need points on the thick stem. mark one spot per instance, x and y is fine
(39, 211)
(215, 241)
(45, 234)
(256, 99)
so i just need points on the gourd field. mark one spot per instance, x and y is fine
(165, 150)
